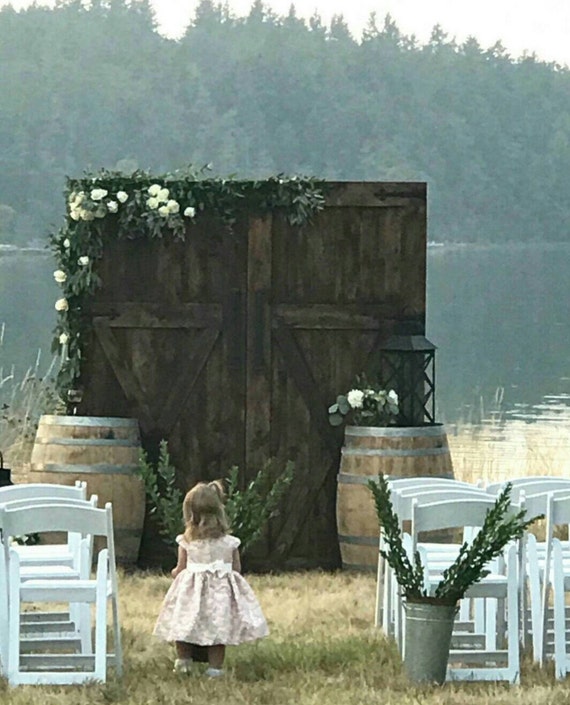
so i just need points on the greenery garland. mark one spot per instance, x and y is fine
(144, 206)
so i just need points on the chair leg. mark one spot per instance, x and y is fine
(13, 665)
(513, 619)
(100, 671)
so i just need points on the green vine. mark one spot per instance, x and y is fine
(140, 205)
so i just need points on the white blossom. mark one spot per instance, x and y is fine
(75, 214)
(83, 261)
(67, 243)
(392, 397)
(154, 190)
(61, 305)
(355, 398)
(63, 339)
(112, 206)
(153, 203)
(173, 206)
(163, 195)
(164, 212)
(97, 194)
(60, 276)
(190, 212)
(122, 196)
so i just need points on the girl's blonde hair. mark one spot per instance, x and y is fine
(204, 513)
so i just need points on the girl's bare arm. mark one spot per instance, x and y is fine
(182, 558)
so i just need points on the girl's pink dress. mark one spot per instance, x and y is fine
(208, 602)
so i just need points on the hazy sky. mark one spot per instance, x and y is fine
(542, 26)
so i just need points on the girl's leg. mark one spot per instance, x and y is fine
(216, 655)
(184, 650)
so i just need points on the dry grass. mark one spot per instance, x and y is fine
(322, 649)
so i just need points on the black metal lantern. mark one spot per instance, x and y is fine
(5, 478)
(407, 365)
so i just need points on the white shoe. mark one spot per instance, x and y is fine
(214, 672)
(182, 665)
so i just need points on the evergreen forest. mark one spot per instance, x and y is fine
(86, 86)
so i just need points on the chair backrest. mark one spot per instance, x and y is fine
(49, 501)
(40, 490)
(425, 483)
(402, 501)
(496, 488)
(84, 520)
(449, 514)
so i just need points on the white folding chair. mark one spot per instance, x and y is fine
(500, 587)
(62, 668)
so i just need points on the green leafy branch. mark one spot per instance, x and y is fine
(250, 509)
(163, 497)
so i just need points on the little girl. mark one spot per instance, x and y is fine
(209, 603)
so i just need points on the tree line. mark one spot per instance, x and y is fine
(85, 86)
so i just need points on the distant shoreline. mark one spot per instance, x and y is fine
(432, 245)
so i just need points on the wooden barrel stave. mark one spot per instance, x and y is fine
(367, 453)
(104, 453)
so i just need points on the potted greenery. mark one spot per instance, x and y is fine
(430, 628)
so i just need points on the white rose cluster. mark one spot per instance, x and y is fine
(88, 207)
(355, 398)
(159, 199)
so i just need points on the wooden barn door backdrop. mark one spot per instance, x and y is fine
(232, 345)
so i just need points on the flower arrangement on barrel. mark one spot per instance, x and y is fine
(365, 404)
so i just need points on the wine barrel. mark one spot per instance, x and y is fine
(103, 452)
(367, 452)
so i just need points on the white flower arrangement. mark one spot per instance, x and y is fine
(365, 406)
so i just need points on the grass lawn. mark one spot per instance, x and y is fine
(323, 649)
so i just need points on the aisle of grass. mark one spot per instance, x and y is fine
(322, 650)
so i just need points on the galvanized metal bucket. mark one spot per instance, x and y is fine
(428, 630)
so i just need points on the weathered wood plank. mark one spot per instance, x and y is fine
(331, 316)
(184, 385)
(129, 384)
(356, 194)
(134, 314)
(258, 346)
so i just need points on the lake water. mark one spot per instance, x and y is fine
(498, 315)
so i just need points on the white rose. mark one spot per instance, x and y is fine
(153, 203)
(355, 398)
(66, 243)
(173, 206)
(63, 339)
(112, 206)
(392, 397)
(122, 196)
(61, 305)
(164, 212)
(75, 214)
(154, 190)
(98, 194)
(83, 261)
(163, 195)
(60, 276)
(190, 212)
